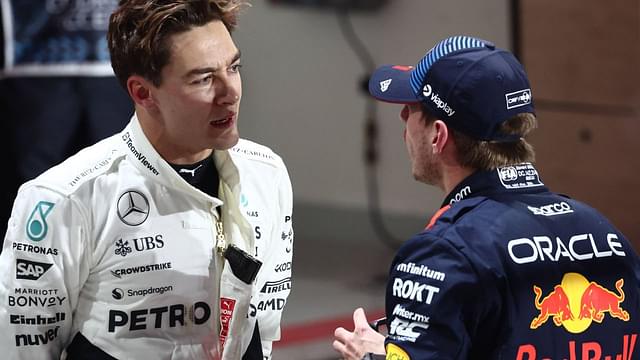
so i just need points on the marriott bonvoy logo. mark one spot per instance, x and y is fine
(428, 93)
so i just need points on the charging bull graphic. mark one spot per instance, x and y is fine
(597, 300)
(555, 304)
(577, 302)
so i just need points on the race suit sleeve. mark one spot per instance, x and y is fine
(42, 268)
(436, 302)
(277, 268)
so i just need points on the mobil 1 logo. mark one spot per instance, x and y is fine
(30, 270)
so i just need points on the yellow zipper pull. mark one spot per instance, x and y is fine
(221, 242)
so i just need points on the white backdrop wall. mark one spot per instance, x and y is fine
(301, 94)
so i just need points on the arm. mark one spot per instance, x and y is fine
(435, 301)
(277, 267)
(42, 269)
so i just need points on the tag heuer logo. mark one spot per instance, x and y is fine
(133, 208)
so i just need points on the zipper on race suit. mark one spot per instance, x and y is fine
(221, 242)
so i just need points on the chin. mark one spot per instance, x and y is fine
(225, 144)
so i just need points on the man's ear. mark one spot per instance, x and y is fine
(441, 135)
(139, 89)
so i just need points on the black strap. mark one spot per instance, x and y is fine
(81, 349)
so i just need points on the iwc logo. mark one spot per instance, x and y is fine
(133, 208)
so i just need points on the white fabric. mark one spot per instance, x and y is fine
(161, 299)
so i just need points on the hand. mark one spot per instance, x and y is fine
(354, 345)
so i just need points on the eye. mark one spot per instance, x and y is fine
(235, 68)
(202, 81)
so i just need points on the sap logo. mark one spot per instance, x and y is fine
(404, 330)
(176, 315)
(407, 289)
(518, 98)
(460, 195)
(276, 286)
(30, 270)
(37, 339)
(551, 209)
(283, 267)
(428, 93)
(140, 244)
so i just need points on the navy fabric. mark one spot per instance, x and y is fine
(468, 83)
(514, 271)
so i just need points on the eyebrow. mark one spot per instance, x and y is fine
(206, 70)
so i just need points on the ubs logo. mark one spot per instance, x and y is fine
(133, 208)
(123, 248)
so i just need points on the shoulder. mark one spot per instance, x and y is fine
(81, 168)
(249, 151)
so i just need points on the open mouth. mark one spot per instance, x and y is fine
(224, 122)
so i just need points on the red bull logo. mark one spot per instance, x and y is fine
(576, 302)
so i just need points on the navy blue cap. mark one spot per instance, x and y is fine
(466, 82)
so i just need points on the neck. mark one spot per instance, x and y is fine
(169, 149)
(452, 175)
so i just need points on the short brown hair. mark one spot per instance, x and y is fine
(489, 155)
(139, 31)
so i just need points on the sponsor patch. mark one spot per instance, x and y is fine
(413, 290)
(560, 208)
(37, 226)
(518, 98)
(276, 286)
(395, 352)
(37, 339)
(30, 270)
(226, 314)
(577, 302)
(422, 270)
(384, 85)
(133, 208)
(404, 330)
(519, 176)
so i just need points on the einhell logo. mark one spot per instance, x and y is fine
(576, 303)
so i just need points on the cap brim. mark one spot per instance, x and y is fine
(391, 83)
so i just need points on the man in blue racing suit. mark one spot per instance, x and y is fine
(506, 269)
(169, 240)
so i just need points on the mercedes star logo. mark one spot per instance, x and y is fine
(133, 208)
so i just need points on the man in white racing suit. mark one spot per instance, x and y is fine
(170, 240)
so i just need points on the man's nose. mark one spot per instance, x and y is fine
(227, 92)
